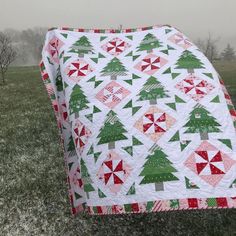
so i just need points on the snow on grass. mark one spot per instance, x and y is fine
(33, 189)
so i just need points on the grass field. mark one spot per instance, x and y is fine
(33, 190)
(228, 74)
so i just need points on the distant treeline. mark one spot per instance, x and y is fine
(209, 46)
(28, 45)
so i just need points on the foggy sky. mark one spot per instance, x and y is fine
(194, 18)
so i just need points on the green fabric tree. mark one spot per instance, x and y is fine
(189, 61)
(148, 43)
(157, 169)
(152, 90)
(114, 68)
(58, 80)
(112, 130)
(78, 100)
(82, 46)
(202, 122)
(87, 182)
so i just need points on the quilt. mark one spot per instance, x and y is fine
(145, 121)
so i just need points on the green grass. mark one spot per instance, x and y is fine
(33, 190)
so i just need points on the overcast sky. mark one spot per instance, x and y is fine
(195, 18)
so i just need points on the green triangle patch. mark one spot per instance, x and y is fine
(60, 56)
(94, 59)
(136, 141)
(129, 150)
(65, 59)
(168, 71)
(190, 185)
(170, 48)
(179, 100)
(233, 185)
(77, 196)
(90, 151)
(96, 155)
(166, 51)
(230, 107)
(65, 85)
(96, 109)
(49, 61)
(130, 54)
(89, 117)
(135, 57)
(209, 75)
(174, 75)
(172, 105)
(131, 190)
(100, 55)
(102, 38)
(135, 76)
(184, 144)
(216, 99)
(97, 83)
(227, 142)
(129, 81)
(92, 79)
(101, 194)
(64, 35)
(129, 37)
(175, 137)
(128, 105)
(70, 165)
(149, 205)
(135, 109)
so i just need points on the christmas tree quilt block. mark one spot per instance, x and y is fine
(145, 121)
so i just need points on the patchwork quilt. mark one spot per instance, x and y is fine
(145, 121)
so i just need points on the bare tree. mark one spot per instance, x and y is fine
(24, 57)
(7, 54)
(209, 47)
(228, 54)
